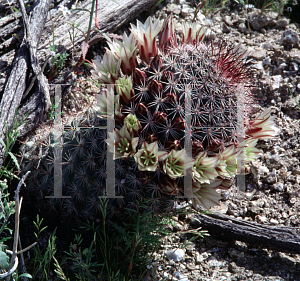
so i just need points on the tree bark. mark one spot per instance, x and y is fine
(279, 238)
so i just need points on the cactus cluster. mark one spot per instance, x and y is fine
(158, 83)
(165, 92)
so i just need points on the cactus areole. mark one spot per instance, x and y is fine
(152, 73)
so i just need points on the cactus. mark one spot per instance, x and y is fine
(155, 82)
(218, 78)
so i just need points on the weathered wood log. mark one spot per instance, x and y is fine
(25, 60)
(279, 238)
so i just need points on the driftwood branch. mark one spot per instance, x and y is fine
(279, 238)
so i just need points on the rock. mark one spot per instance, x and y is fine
(258, 21)
(177, 275)
(295, 55)
(258, 53)
(190, 266)
(289, 38)
(187, 11)
(278, 186)
(175, 255)
(267, 46)
(277, 80)
(227, 20)
(282, 66)
(225, 28)
(263, 31)
(294, 67)
(173, 8)
(234, 268)
(267, 61)
(201, 18)
(242, 28)
(259, 66)
(261, 219)
(209, 22)
(282, 23)
(273, 221)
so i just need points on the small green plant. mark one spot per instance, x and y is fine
(58, 61)
(294, 98)
(59, 270)
(83, 260)
(10, 162)
(9, 269)
(278, 6)
(7, 208)
(73, 34)
(209, 7)
(42, 257)
(123, 251)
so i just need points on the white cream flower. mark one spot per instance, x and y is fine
(146, 34)
(125, 50)
(204, 168)
(107, 71)
(263, 126)
(192, 33)
(148, 156)
(205, 195)
(64, 10)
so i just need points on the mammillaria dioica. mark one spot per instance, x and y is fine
(151, 102)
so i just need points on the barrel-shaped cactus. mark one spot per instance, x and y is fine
(182, 109)
(200, 80)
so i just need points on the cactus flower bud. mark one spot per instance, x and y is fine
(167, 37)
(133, 124)
(192, 33)
(126, 51)
(168, 186)
(124, 89)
